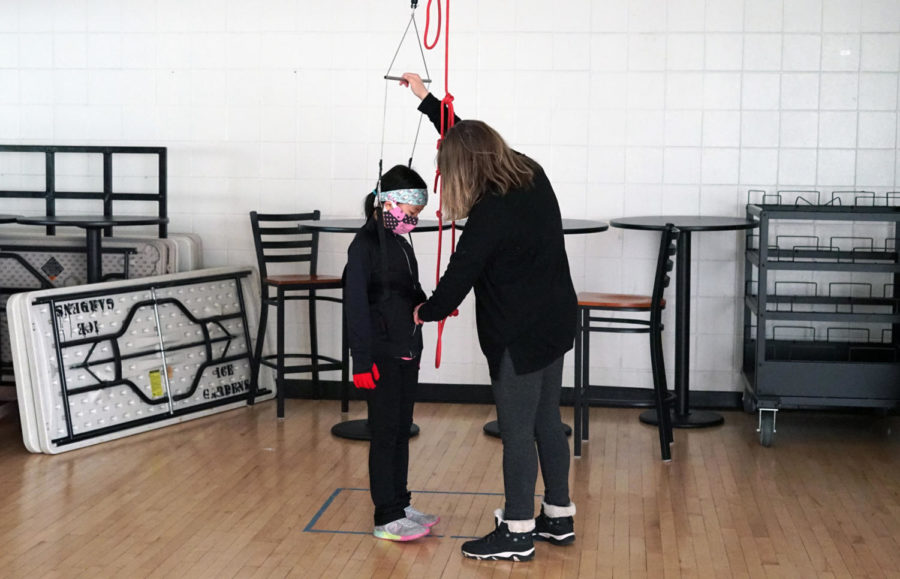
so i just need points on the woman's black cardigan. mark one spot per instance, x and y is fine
(513, 253)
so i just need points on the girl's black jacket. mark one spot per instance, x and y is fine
(379, 321)
(513, 253)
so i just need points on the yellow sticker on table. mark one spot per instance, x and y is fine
(156, 389)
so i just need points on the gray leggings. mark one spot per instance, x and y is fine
(528, 411)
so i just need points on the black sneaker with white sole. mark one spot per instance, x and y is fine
(501, 544)
(555, 530)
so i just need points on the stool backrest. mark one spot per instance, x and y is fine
(664, 265)
(279, 239)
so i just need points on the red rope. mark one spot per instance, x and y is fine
(446, 124)
(437, 35)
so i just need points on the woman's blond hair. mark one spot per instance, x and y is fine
(474, 160)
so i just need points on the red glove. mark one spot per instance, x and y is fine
(366, 380)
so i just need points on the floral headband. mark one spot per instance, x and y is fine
(408, 196)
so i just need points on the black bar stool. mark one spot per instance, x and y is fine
(279, 239)
(589, 302)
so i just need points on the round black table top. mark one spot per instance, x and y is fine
(92, 220)
(352, 225)
(4, 218)
(685, 222)
(575, 226)
(570, 226)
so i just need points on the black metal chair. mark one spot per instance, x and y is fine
(589, 302)
(279, 239)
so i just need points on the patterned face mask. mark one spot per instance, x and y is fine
(398, 222)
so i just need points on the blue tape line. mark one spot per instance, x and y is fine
(309, 526)
(321, 510)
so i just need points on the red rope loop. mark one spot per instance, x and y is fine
(437, 34)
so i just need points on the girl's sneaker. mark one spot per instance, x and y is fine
(418, 516)
(400, 530)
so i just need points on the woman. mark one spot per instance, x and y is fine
(381, 287)
(513, 253)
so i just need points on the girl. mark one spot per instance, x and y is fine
(512, 252)
(381, 288)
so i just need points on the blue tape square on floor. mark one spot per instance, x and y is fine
(330, 516)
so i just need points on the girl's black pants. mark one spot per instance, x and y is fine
(390, 418)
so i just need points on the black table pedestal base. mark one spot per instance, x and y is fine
(94, 255)
(359, 430)
(493, 429)
(693, 419)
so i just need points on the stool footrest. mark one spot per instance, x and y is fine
(327, 363)
(644, 397)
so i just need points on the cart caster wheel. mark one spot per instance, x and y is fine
(766, 427)
(748, 402)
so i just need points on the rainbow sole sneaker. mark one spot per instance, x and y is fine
(418, 516)
(400, 530)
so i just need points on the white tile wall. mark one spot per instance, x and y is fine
(633, 106)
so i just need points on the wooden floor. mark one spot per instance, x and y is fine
(244, 495)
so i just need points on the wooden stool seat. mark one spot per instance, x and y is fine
(616, 301)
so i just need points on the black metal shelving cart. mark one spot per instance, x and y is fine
(821, 308)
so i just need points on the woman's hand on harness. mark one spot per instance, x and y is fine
(419, 321)
(415, 84)
(366, 380)
(416, 317)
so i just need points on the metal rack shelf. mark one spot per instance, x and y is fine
(845, 347)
